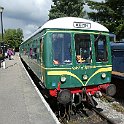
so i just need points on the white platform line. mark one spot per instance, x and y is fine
(42, 98)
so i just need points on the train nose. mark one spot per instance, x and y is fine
(111, 90)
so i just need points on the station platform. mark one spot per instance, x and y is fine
(20, 100)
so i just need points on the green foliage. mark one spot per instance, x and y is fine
(109, 13)
(13, 37)
(63, 8)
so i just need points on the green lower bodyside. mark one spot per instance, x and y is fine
(50, 77)
(74, 77)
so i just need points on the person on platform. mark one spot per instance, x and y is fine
(9, 53)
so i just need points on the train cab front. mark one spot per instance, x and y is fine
(80, 66)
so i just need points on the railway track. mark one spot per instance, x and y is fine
(108, 98)
(105, 119)
(93, 116)
(90, 115)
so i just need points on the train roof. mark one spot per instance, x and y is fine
(71, 23)
(74, 23)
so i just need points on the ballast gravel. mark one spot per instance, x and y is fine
(111, 112)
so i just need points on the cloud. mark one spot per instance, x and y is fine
(33, 10)
(25, 14)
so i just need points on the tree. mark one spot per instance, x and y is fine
(63, 8)
(109, 13)
(13, 37)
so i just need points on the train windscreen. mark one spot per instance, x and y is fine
(61, 44)
(101, 48)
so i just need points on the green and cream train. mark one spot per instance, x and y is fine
(72, 58)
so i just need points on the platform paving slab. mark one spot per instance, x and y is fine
(19, 101)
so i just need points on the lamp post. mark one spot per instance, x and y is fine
(1, 12)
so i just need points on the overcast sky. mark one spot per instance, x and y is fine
(25, 14)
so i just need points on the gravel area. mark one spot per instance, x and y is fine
(112, 110)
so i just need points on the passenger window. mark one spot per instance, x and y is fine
(25, 51)
(101, 48)
(34, 53)
(83, 48)
(31, 53)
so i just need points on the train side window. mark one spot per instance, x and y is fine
(25, 51)
(101, 48)
(31, 53)
(83, 48)
(34, 53)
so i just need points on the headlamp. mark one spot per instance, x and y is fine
(85, 77)
(63, 79)
(103, 75)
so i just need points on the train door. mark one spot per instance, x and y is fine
(83, 48)
(41, 51)
(62, 55)
(41, 68)
(83, 58)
